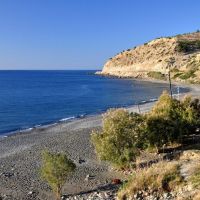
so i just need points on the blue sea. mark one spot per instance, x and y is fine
(34, 98)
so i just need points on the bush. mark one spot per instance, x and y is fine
(195, 105)
(175, 70)
(188, 45)
(156, 75)
(160, 177)
(124, 135)
(187, 75)
(119, 140)
(170, 120)
(177, 75)
(190, 115)
(162, 122)
(55, 169)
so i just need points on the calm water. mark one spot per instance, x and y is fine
(30, 98)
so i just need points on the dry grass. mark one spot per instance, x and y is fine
(197, 196)
(195, 178)
(160, 177)
(190, 155)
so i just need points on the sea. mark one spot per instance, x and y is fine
(35, 98)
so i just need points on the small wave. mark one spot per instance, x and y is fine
(53, 124)
(152, 100)
(38, 125)
(81, 116)
(67, 119)
(148, 101)
(28, 129)
(3, 136)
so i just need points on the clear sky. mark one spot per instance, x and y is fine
(83, 34)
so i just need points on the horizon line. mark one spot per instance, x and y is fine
(47, 69)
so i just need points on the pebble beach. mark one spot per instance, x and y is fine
(20, 159)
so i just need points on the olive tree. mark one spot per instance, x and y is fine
(118, 140)
(55, 169)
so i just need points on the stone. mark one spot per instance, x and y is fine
(30, 193)
(8, 174)
(80, 161)
(87, 177)
(116, 181)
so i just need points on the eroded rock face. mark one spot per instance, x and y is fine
(154, 55)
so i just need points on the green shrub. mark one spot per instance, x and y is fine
(187, 75)
(156, 75)
(162, 122)
(160, 132)
(188, 45)
(194, 119)
(119, 140)
(124, 135)
(177, 75)
(55, 169)
(175, 70)
(170, 120)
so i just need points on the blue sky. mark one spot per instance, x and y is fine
(83, 34)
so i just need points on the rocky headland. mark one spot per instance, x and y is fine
(153, 59)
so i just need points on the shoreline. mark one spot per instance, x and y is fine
(20, 157)
(81, 116)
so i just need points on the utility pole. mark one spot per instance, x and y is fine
(170, 82)
(170, 63)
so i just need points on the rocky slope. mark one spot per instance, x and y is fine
(151, 60)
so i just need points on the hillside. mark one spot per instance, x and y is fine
(151, 60)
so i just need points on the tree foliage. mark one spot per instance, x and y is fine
(125, 134)
(55, 169)
(170, 120)
(119, 138)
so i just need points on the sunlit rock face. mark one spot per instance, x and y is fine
(154, 56)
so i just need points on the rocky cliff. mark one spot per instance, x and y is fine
(153, 59)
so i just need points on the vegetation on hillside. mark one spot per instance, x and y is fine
(187, 46)
(125, 135)
(149, 59)
(156, 75)
(189, 73)
(161, 177)
(177, 179)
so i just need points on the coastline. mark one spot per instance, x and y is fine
(20, 156)
(28, 130)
